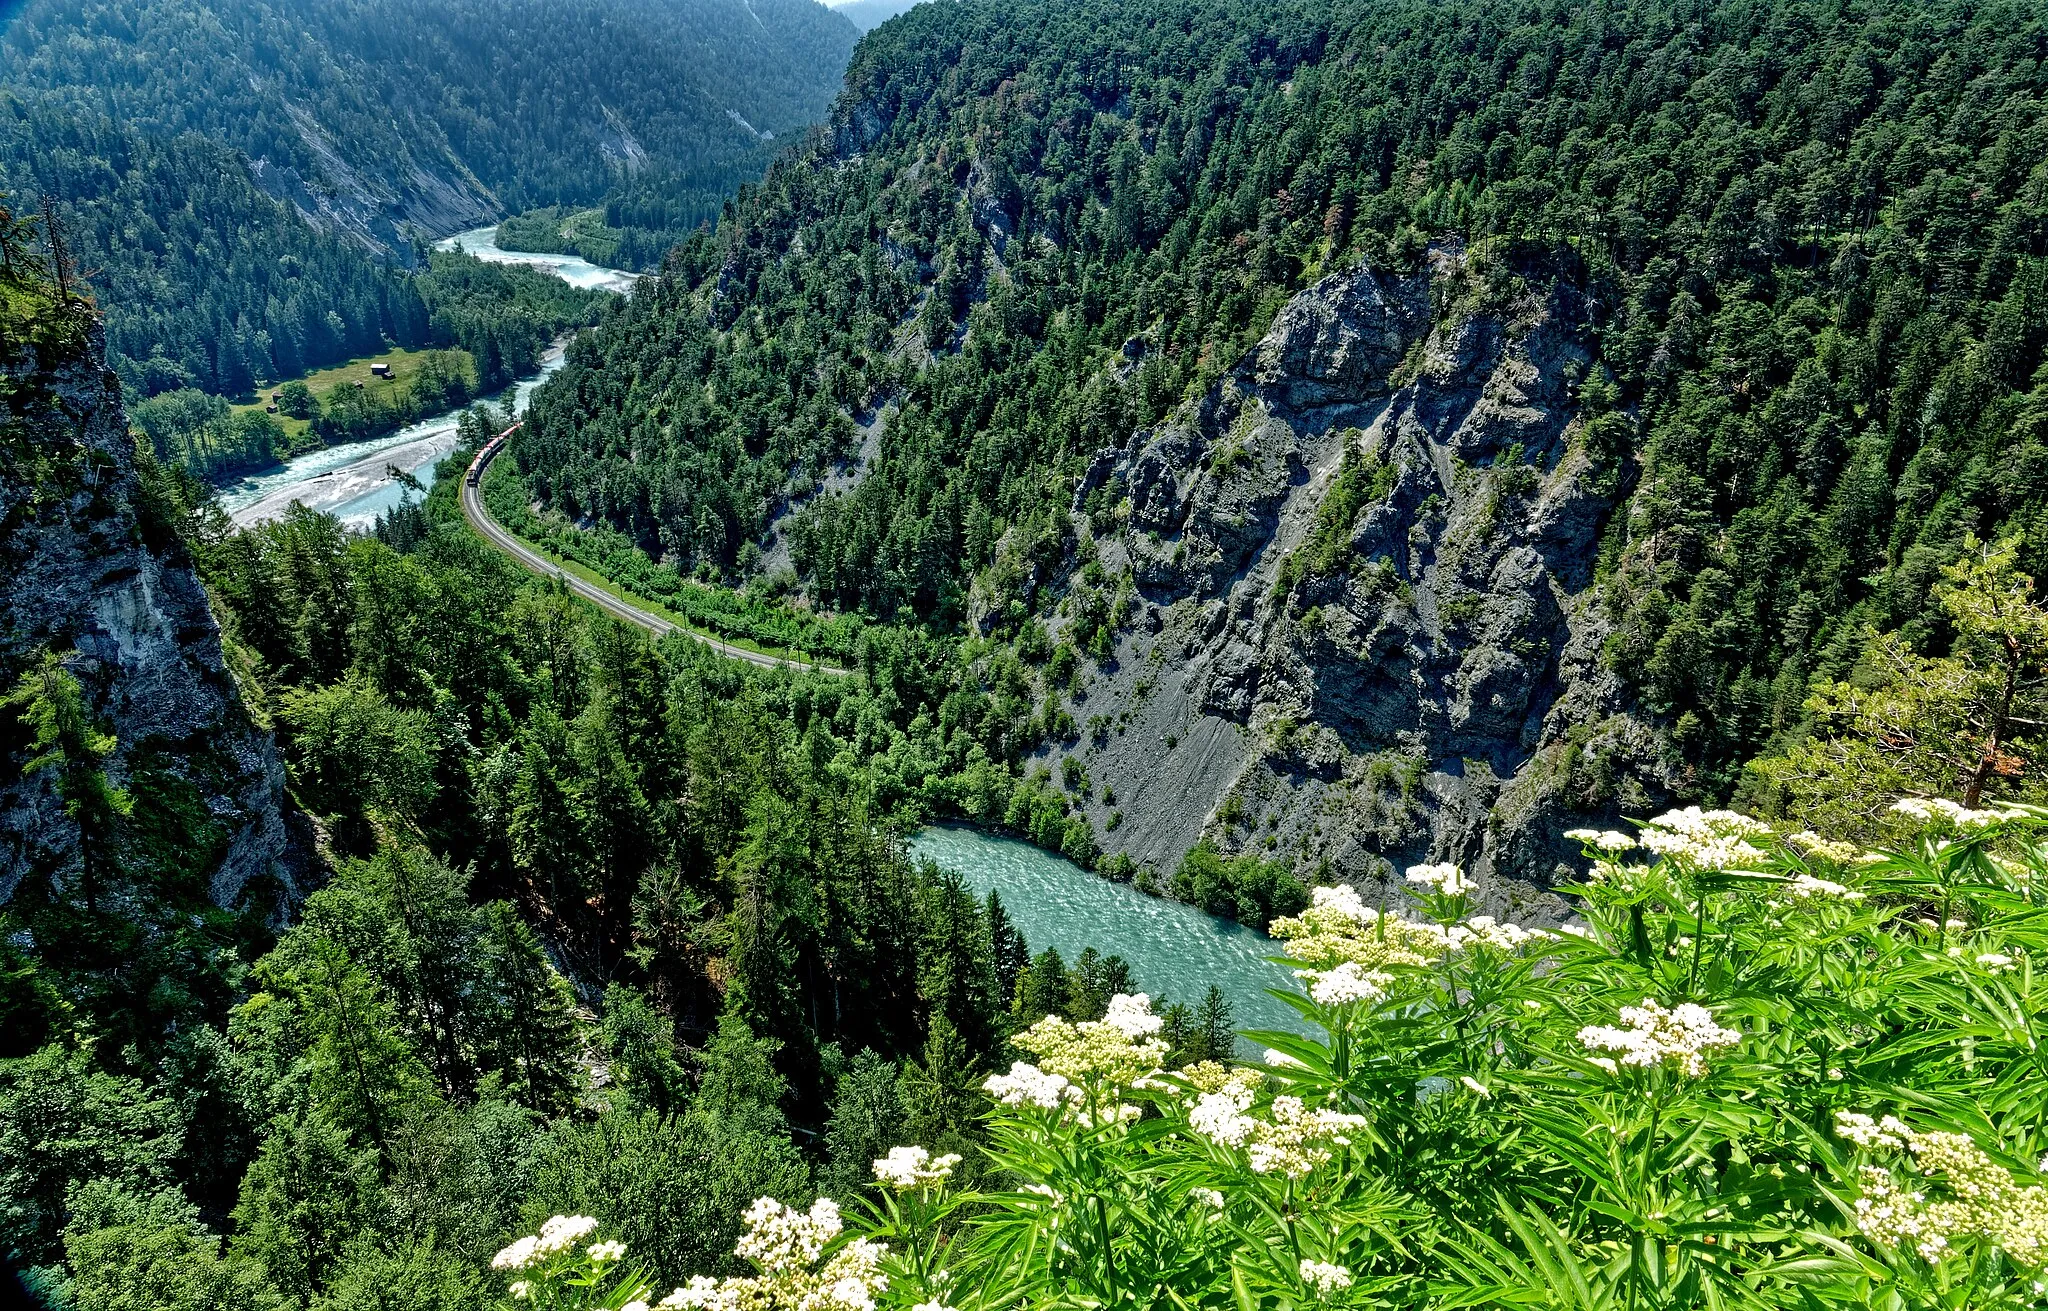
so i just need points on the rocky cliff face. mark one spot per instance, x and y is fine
(1367, 627)
(88, 569)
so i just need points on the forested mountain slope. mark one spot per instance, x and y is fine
(1663, 350)
(233, 173)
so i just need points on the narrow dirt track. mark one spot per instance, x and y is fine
(494, 533)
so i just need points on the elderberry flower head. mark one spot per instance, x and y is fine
(905, 1168)
(1929, 810)
(1705, 839)
(1654, 1036)
(1324, 1278)
(1349, 982)
(1982, 1201)
(1445, 880)
(1603, 839)
(1807, 887)
(1027, 1085)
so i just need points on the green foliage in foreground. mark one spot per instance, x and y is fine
(1759, 1072)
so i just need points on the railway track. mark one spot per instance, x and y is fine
(533, 561)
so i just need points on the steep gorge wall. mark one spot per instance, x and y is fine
(1420, 678)
(91, 571)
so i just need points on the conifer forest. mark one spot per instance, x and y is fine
(1010, 655)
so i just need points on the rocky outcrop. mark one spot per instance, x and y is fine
(1366, 629)
(89, 570)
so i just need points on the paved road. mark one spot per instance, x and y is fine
(496, 535)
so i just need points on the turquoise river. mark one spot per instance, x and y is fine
(1174, 950)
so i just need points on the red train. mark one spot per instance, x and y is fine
(490, 448)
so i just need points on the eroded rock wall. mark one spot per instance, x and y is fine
(88, 571)
(1407, 668)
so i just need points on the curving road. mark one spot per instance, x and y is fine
(528, 558)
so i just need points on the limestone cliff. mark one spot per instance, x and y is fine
(92, 569)
(1366, 624)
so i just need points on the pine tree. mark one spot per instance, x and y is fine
(1215, 1038)
(64, 742)
(641, 1045)
(523, 1025)
(1042, 990)
(364, 1074)
(868, 1118)
(1007, 945)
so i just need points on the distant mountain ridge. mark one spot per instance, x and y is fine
(235, 176)
(385, 119)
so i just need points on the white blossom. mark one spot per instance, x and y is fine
(1705, 839)
(1474, 1085)
(611, 1251)
(1653, 1036)
(1995, 961)
(1208, 1197)
(905, 1168)
(1604, 839)
(1445, 880)
(516, 1255)
(1349, 982)
(1341, 900)
(781, 1239)
(1131, 1015)
(1806, 886)
(1929, 810)
(1220, 1116)
(1865, 1132)
(702, 1293)
(1324, 1278)
(1027, 1085)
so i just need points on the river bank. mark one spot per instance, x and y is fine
(572, 269)
(351, 481)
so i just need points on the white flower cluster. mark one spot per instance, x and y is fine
(1349, 982)
(1131, 1015)
(1337, 929)
(1324, 1277)
(1930, 810)
(780, 1238)
(1445, 880)
(1208, 1197)
(559, 1234)
(1654, 1036)
(1293, 1142)
(786, 1244)
(905, 1168)
(1603, 839)
(1485, 931)
(1705, 839)
(1984, 1200)
(1891, 1132)
(1027, 1085)
(1118, 1050)
(1807, 887)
